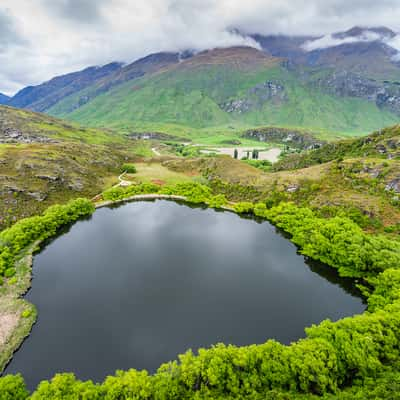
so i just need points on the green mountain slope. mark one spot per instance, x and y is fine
(222, 88)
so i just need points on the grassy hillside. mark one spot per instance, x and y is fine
(222, 90)
(383, 144)
(45, 161)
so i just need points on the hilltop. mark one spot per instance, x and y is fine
(45, 161)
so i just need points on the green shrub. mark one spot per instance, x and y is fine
(338, 242)
(26, 313)
(128, 168)
(66, 387)
(9, 272)
(120, 193)
(217, 201)
(13, 280)
(12, 387)
(193, 191)
(243, 207)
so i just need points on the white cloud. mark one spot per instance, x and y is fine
(51, 37)
(395, 44)
(331, 41)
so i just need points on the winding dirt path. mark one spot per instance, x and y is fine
(155, 151)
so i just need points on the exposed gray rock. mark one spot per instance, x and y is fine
(51, 178)
(381, 149)
(348, 84)
(155, 136)
(393, 144)
(373, 172)
(9, 189)
(393, 185)
(292, 188)
(14, 135)
(237, 106)
(269, 91)
(37, 195)
(76, 185)
(292, 138)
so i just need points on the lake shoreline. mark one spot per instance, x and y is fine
(12, 303)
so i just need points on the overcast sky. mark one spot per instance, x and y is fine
(43, 38)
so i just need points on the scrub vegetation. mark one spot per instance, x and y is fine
(336, 359)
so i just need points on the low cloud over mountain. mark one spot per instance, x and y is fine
(43, 38)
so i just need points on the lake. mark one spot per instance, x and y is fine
(138, 284)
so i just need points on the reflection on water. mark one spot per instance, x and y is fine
(136, 285)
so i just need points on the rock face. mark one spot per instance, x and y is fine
(154, 136)
(393, 185)
(348, 84)
(14, 135)
(291, 137)
(257, 96)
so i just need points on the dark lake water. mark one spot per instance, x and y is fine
(136, 285)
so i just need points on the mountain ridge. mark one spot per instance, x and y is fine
(41, 97)
(4, 99)
(241, 87)
(355, 76)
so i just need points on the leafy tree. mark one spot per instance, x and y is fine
(12, 387)
(66, 387)
(128, 168)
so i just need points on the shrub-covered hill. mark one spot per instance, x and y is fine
(229, 88)
(44, 161)
(383, 144)
(366, 189)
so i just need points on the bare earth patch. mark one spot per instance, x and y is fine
(8, 322)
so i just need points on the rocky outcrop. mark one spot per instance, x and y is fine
(238, 106)
(393, 185)
(155, 136)
(257, 96)
(14, 135)
(347, 84)
(290, 137)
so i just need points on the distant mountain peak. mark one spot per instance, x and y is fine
(237, 55)
(4, 99)
(357, 34)
(359, 31)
